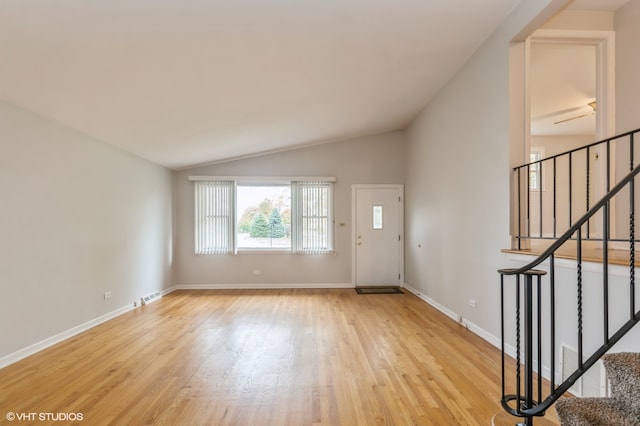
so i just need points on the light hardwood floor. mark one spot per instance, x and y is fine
(265, 357)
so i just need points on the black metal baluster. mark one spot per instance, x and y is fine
(540, 194)
(631, 148)
(632, 254)
(528, 201)
(579, 273)
(605, 269)
(570, 189)
(528, 345)
(554, 197)
(529, 402)
(518, 380)
(539, 343)
(632, 235)
(588, 178)
(608, 177)
(552, 308)
(519, 171)
(502, 331)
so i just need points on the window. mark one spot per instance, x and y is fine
(262, 215)
(534, 169)
(377, 218)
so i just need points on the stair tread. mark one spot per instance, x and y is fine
(623, 370)
(505, 419)
(596, 411)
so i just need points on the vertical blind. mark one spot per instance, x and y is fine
(312, 217)
(214, 217)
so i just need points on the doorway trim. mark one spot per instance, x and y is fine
(604, 42)
(520, 96)
(354, 236)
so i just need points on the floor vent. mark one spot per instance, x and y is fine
(150, 298)
(592, 383)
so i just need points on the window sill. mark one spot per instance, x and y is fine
(263, 251)
(258, 251)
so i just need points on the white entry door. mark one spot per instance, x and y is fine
(378, 235)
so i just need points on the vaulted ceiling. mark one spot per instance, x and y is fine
(187, 82)
(184, 82)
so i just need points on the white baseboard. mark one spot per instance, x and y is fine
(475, 329)
(258, 286)
(448, 312)
(168, 290)
(495, 341)
(50, 341)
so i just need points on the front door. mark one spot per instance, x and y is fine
(378, 236)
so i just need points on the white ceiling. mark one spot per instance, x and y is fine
(186, 82)
(563, 82)
(605, 5)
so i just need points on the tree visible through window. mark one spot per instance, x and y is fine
(264, 217)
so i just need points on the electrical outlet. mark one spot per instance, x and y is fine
(107, 295)
(257, 272)
(473, 303)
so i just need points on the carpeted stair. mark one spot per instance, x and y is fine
(621, 408)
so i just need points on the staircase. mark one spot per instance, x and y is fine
(533, 296)
(621, 408)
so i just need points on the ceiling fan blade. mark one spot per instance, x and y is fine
(574, 118)
(591, 104)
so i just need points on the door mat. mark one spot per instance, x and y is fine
(378, 290)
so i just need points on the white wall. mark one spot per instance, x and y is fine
(627, 26)
(78, 218)
(457, 185)
(375, 159)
